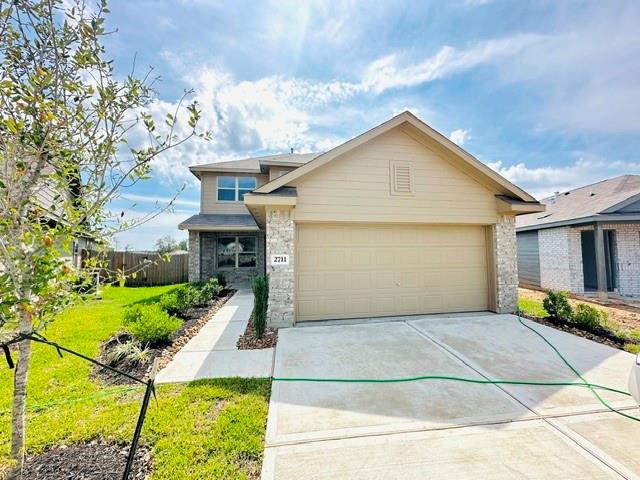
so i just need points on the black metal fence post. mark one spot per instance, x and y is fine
(143, 413)
(136, 435)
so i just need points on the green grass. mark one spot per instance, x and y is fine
(632, 348)
(206, 429)
(532, 307)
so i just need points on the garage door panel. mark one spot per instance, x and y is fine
(347, 271)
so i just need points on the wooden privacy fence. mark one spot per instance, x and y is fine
(151, 268)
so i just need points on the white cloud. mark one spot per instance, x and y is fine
(543, 181)
(389, 72)
(159, 200)
(460, 136)
(585, 77)
(276, 113)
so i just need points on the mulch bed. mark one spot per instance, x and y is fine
(600, 335)
(193, 321)
(95, 460)
(248, 340)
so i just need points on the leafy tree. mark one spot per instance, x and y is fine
(72, 136)
(168, 244)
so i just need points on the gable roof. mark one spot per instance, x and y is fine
(255, 164)
(598, 201)
(416, 128)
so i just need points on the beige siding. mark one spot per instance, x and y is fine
(358, 270)
(209, 194)
(275, 172)
(357, 187)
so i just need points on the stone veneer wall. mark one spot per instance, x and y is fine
(280, 240)
(208, 256)
(505, 248)
(194, 256)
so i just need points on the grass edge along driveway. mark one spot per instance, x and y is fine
(205, 429)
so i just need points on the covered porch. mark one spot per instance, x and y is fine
(231, 245)
(609, 255)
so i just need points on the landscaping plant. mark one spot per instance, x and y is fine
(589, 318)
(128, 353)
(72, 136)
(260, 287)
(557, 305)
(150, 324)
(208, 291)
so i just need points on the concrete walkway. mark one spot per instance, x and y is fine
(212, 353)
(441, 429)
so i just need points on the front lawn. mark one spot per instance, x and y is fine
(532, 307)
(206, 429)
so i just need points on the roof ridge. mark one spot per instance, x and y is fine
(258, 158)
(625, 175)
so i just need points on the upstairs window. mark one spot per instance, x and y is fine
(232, 189)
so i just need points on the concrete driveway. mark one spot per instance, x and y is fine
(441, 429)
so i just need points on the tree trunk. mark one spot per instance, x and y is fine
(19, 398)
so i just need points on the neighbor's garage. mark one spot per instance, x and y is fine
(360, 270)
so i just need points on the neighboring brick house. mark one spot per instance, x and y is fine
(587, 241)
(397, 221)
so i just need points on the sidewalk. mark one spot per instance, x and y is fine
(212, 353)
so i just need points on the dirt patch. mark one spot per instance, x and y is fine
(95, 460)
(248, 340)
(626, 317)
(193, 321)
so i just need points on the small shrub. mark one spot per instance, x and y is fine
(260, 287)
(208, 291)
(557, 305)
(128, 353)
(588, 317)
(132, 314)
(169, 303)
(632, 348)
(152, 325)
(178, 301)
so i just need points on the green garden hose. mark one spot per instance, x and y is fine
(583, 383)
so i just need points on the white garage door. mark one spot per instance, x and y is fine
(348, 271)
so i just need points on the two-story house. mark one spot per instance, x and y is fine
(224, 237)
(396, 221)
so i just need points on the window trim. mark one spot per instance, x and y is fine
(235, 189)
(237, 252)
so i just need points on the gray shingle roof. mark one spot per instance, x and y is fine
(584, 202)
(212, 220)
(255, 163)
(280, 192)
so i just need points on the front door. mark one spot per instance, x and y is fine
(587, 238)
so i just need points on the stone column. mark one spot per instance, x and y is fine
(280, 240)
(194, 256)
(506, 262)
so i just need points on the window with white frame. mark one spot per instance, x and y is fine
(232, 189)
(237, 251)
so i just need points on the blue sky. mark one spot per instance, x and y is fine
(545, 92)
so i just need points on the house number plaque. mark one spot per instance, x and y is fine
(279, 259)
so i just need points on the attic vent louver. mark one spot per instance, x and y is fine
(401, 178)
